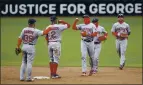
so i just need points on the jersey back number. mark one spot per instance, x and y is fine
(28, 38)
(52, 35)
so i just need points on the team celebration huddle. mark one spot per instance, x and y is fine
(92, 36)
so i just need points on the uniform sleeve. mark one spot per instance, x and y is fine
(21, 34)
(128, 28)
(113, 28)
(79, 27)
(63, 27)
(39, 32)
(103, 30)
(94, 28)
(45, 29)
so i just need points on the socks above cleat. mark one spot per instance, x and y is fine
(51, 68)
(55, 66)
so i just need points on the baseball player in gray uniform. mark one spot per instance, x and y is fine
(121, 30)
(28, 37)
(87, 44)
(101, 36)
(54, 44)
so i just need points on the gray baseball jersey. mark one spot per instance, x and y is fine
(88, 28)
(29, 38)
(55, 33)
(121, 44)
(30, 35)
(100, 32)
(54, 41)
(87, 44)
(120, 28)
(97, 46)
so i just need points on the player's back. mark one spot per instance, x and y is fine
(55, 33)
(29, 35)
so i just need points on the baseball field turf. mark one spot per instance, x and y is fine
(71, 56)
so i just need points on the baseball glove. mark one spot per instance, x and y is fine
(124, 35)
(84, 34)
(102, 38)
(17, 51)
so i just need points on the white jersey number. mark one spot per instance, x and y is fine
(53, 35)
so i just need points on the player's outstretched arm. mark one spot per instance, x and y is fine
(63, 22)
(74, 24)
(19, 42)
(46, 31)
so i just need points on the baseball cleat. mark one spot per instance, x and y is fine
(90, 73)
(94, 71)
(121, 67)
(56, 76)
(123, 64)
(22, 80)
(31, 80)
(83, 74)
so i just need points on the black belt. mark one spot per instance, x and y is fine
(87, 40)
(96, 42)
(121, 38)
(54, 41)
(29, 43)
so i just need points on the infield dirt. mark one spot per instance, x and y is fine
(72, 75)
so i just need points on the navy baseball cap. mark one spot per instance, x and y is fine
(53, 18)
(31, 21)
(85, 16)
(120, 15)
(95, 20)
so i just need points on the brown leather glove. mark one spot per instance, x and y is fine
(17, 51)
(124, 35)
(102, 38)
(84, 34)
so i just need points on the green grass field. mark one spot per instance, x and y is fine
(11, 28)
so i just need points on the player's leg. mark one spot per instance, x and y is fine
(90, 51)
(50, 52)
(30, 58)
(23, 66)
(83, 57)
(123, 50)
(90, 58)
(96, 56)
(118, 47)
(56, 55)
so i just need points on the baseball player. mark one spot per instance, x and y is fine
(87, 44)
(121, 30)
(101, 36)
(28, 37)
(54, 44)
